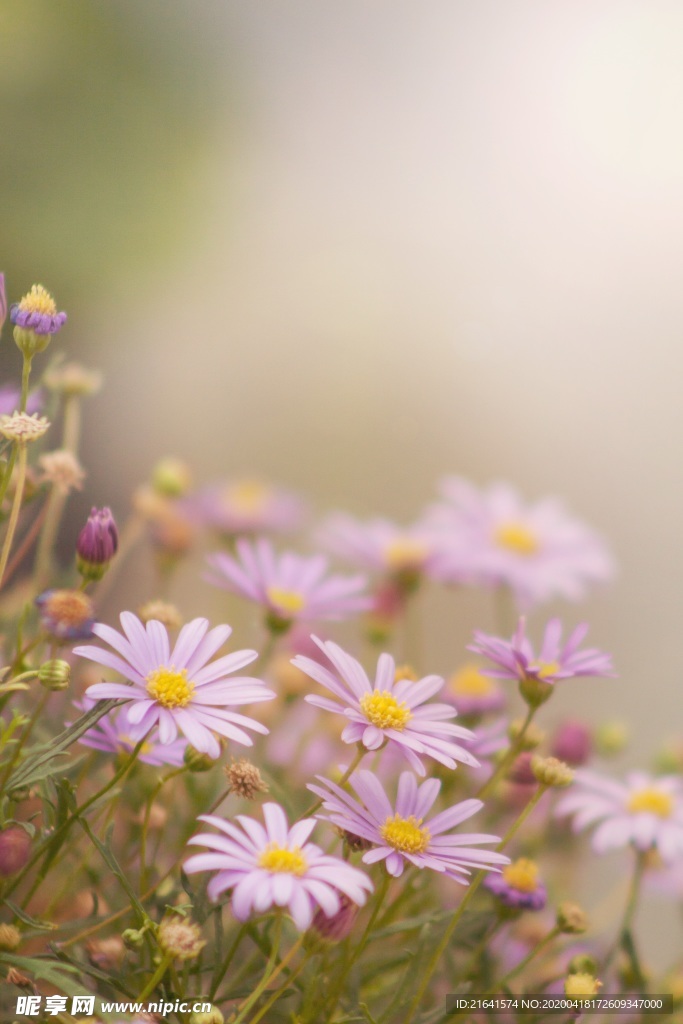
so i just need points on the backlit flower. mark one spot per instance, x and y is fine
(516, 658)
(518, 886)
(179, 690)
(275, 865)
(387, 710)
(537, 550)
(290, 587)
(379, 545)
(644, 811)
(401, 833)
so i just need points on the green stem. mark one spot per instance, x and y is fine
(552, 934)
(278, 991)
(145, 824)
(508, 758)
(358, 950)
(57, 500)
(271, 972)
(25, 374)
(16, 508)
(156, 978)
(55, 840)
(477, 879)
(223, 970)
(37, 711)
(629, 910)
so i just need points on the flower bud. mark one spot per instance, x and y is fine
(535, 691)
(97, 544)
(571, 918)
(171, 478)
(212, 1016)
(107, 953)
(133, 938)
(165, 613)
(532, 738)
(581, 986)
(583, 963)
(180, 938)
(15, 846)
(196, 761)
(10, 937)
(339, 925)
(572, 743)
(521, 772)
(55, 674)
(611, 738)
(551, 772)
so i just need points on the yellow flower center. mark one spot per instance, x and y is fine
(522, 875)
(405, 553)
(469, 681)
(516, 537)
(650, 801)
(544, 669)
(405, 834)
(383, 710)
(288, 601)
(278, 858)
(170, 687)
(248, 496)
(38, 301)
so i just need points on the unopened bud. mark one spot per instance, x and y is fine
(551, 772)
(55, 674)
(611, 738)
(10, 937)
(571, 918)
(133, 938)
(15, 846)
(196, 761)
(535, 691)
(165, 613)
(532, 738)
(106, 953)
(573, 743)
(97, 544)
(171, 478)
(583, 963)
(212, 1016)
(339, 925)
(581, 986)
(521, 772)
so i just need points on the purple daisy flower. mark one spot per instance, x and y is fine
(399, 833)
(494, 538)
(246, 507)
(388, 710)
(379, 545)
(275, 866)
(37, 312)
(518, 886)
(290, 587)
(473, 692)
(516, 659)
(114, 734)
(644, 811)
(180, 690)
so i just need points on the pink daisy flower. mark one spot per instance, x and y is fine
(114, 734)
(517, 660)
(387, 710)
(179, 689)
(399, 833)
(643, 811)
(379, 545)
(290, 587)
(275, 866)
(494, 538)
(246, 507)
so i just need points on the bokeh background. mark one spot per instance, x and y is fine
(352, 247)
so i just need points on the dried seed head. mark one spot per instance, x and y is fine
(23, 428)
(165, 613)
(62, 470)
(180, 938)
(245, 779)
(571, 918)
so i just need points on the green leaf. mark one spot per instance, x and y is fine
(39, 764)
(32, 922)
(113, 865)
(58, 974)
